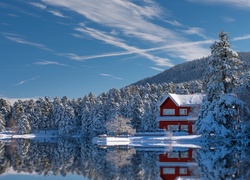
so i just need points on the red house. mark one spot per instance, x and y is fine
(178, 113)
(177, 164)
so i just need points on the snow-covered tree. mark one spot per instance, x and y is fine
(57, 112)
(67, 123)
(87, 105)
(219, 110)
(5, 108)
(23, 125)
(119, 125)
(224, 70)
(2, 122)
(137, 112)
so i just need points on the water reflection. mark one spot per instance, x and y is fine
(82, 158)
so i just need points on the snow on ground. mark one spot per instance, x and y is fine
(148, 140)
(38, 135)
(190, 141)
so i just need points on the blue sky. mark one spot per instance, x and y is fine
(61, 47)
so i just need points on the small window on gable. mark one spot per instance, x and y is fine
(168, 112)
(183, 111)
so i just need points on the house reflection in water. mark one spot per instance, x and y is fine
(178, 164)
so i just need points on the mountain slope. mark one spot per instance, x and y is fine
(188, 71)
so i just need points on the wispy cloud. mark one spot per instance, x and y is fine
(26, 81)
(170, 48)
(81, 58)
(44, 62)
(119, 43)
(132, 21)
(13, 15)
(174, 23)
(235, 3)
(228, 19)
(21, 40)
(110, 76)
(44, 7)
(39, 5)
(242, 37)
(195, 31)
(57, 13)
(157, 69)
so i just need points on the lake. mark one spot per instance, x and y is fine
(74, 158)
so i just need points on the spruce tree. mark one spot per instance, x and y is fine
(219, 110)
(23, 125)
(2, 122)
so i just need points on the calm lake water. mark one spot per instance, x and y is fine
(80, 159)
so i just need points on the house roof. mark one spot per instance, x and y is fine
(184, 100)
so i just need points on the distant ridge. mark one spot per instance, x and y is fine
(188, 71)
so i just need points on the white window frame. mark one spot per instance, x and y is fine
(183, 111)
(167, 170)
(168, 111)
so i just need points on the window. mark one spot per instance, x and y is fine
(184, 154)
(168, 170)
(173, 127)
(173, 155)
(183, 170)
(168, 112)
(183, 111)
(184, 128)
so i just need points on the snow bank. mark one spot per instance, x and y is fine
(39, 135)
(190, 141)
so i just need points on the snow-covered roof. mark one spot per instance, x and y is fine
(184, 100)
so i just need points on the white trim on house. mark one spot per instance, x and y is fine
(176, 118)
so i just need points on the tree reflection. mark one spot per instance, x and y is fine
(220, 161)
(79, 156)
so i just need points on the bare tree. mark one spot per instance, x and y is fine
(120, 125)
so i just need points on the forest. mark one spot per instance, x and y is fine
(89, 115)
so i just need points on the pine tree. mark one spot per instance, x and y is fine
(23, 125)
(219, 110)
(2, 122)
(67, 123)
(5, 108)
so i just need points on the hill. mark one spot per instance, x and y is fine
(188, 71)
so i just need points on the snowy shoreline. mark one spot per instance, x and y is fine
(39, 135)
(190, 141)
(146, 140)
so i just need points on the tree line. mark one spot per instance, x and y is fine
(135, 106)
